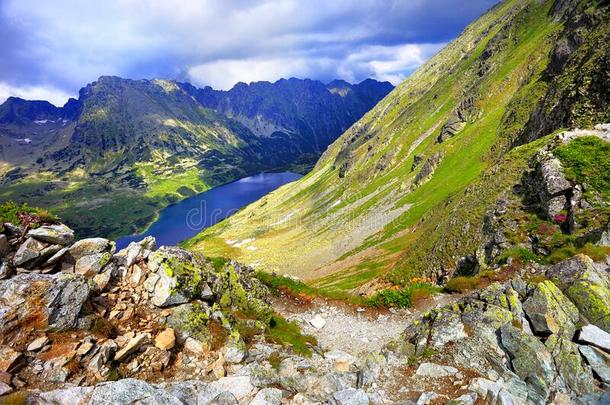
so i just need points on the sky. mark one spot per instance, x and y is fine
(50, 49)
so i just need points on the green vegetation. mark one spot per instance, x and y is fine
(404, 297)
(586, 160)
(15, 213)
(289, 334)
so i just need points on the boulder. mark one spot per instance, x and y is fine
(267, 396)
(235, 350)
(595, 336)
(130, 391)
(550, 311)
(71, 395)
(5, 269)
(586, 286)
(317, 322)
(435, 370)
(55, 300)
(28, 251)
(134, 344)
(568, 362)
(239, 386)
(91, 265)
(90, 246)
(37, 344)
(447, 327)
(5, 388)
(351, 396)
(529, 359)
(56, 234)
(598, 360)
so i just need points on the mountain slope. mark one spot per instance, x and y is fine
(385, 197)
(109, 160)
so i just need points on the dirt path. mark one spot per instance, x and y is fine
(353, 330)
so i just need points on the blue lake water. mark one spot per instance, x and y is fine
(188, 217)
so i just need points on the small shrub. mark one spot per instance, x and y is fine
(461, 284)
(597, 253)
(275, 359)
(19, 214)
(403, 298)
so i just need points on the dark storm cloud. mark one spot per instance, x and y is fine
(52, 48)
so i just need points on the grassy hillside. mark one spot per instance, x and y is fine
(403, 192)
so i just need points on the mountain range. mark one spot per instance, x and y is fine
(144, 144)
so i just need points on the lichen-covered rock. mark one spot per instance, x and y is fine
(568, 362)
(54, 301)
(28, 251)
(598, 360)
(90, 246)
(56, 234)
(91, 265)
(529, 359)
(550, 311)
(586, 286)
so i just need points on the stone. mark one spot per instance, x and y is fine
(193, 346)
(342, 361)
(569, 364)
(529, 359)
(10, 360)
(130, 391)
(426, 398)
(351, 396)
(466, 399)
(127, 257)
(58, 298)
(90, 246)
(5, 388)
(235, 350)
(28, 251)
(103, 356)
(131, 346)
(550, 311)
(448, 327)
(165, 291)
(91, 265)
(586, 286)
(595, 336)
(5, 246)
(240, 386)
(5, 269)
(267, 396)
(435, 370)
(55, 258)
(101, 280)
(598, 360)
(38, 344)
(166, 340)
(57, 234)
(72, 395)
(318, 322)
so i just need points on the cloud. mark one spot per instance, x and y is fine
(65, 44)
(53, 95)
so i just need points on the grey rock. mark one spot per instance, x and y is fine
(90, 246)
(56, 257)
(568, 362)
(466, 399)
(92, 265)
(240, 386)
(37, 344)
(72, 395)
(59, 297)
(595, 336)
(426, 398)
(131, 346)
(351, 396)
(529, 359)
(5, 269)
(598, 360)
(435, 370)
(235, 351)
(130, 391)
(5, 388)
(267, 396)
(28, 251)
(448, 327)
(127, 257)
(56, 234)
(192, 392)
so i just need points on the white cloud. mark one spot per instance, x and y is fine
(53, 95)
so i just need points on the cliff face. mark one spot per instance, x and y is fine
(404, 191)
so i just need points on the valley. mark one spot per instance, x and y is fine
(145, 144)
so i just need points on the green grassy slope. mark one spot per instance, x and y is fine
(389, 198)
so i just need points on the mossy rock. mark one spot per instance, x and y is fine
(550, 311)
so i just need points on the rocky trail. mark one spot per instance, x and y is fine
(357, 331)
